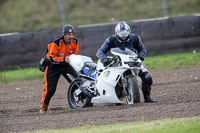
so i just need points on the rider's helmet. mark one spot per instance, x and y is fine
(122, 29)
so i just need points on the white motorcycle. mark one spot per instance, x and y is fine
(115, 83)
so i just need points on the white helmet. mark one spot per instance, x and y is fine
(122, 29)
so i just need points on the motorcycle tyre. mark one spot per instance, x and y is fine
(71, 101)
(135, 89)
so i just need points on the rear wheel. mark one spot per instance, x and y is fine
(132, 90)
(76, 99)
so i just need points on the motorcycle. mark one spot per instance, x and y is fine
(116, 83)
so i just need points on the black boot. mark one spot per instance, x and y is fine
(147, 97)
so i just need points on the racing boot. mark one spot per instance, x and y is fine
(43, 108)
(147, 97)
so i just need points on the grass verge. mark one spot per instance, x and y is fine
(20, 75)
(37, 14)
(173, 61)
(181, 125)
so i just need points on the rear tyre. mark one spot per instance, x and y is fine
(76, 99)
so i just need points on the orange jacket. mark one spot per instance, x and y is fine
(58, 49)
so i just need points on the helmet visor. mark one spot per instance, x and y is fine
(124, 33)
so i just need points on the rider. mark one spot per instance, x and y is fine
(123, 38)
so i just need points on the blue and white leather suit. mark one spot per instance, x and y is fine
(132, 42)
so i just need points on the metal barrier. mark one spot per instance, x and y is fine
(161, 35)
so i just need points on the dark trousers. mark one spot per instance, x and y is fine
(146, 82)
(51, 77)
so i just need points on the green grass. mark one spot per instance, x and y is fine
(20, 75)
(163, 62)
(181, 125)
(173, 61)
(29, 15)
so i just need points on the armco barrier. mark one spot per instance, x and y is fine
(163, 35)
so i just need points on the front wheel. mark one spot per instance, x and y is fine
(132, 90)
(76, 99)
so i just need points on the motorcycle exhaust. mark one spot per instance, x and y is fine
(86, 92)
(71, 77)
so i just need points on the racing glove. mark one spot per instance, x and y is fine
(141, 57)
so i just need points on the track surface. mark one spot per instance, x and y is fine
(178, 92)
